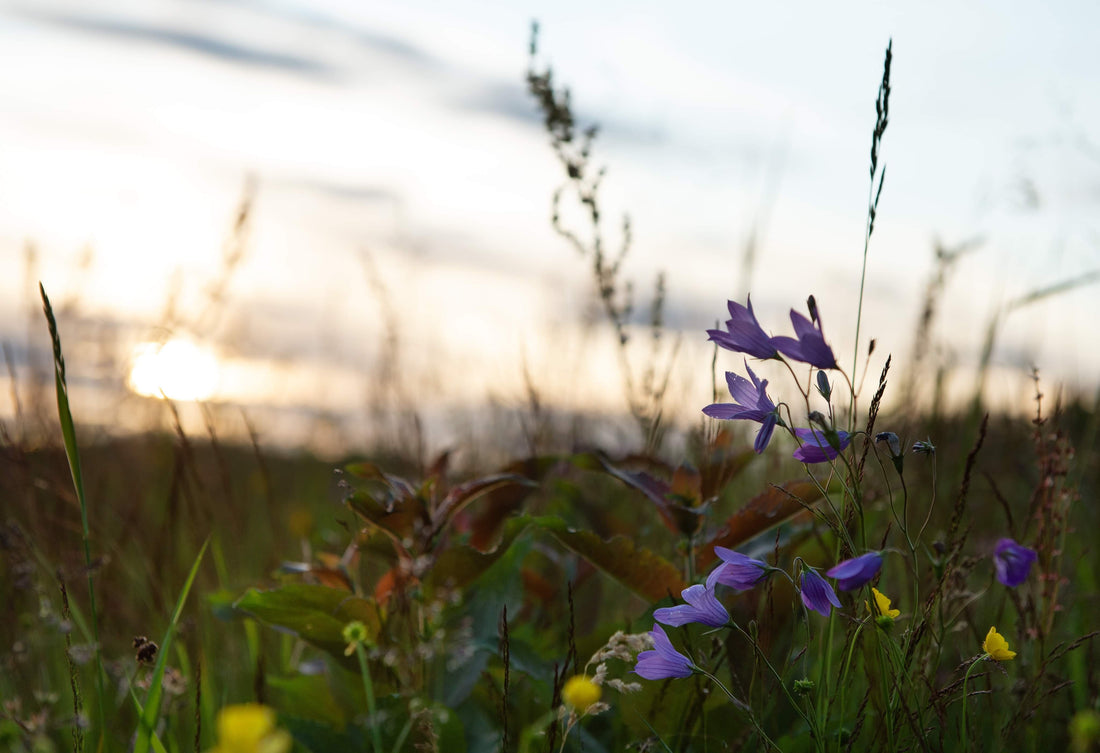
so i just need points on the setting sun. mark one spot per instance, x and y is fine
(178, 369)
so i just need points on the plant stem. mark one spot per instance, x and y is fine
(965, 681)
(368, 686)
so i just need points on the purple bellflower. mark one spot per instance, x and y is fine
(743, 333)
(737, 570)
(751, 404)
(1013, 562)
(817, 594)
(810, 346)
(815, 445)
(663, 661)
(856, 572)
(702, 607)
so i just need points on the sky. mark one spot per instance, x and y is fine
(399, 246)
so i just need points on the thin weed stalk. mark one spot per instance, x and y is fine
(72, 454)
(882, 112)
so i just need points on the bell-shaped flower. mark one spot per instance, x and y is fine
(816, 592)
(1013, 562)
(663, 661)
(751, 404)
(853, 573)
(743, 334)
(702, 607)
(809, 345)
(816, 447)
(738, 570)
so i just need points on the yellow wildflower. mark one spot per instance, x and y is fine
(580, 692)
(996, 646)
(883, 604)
(250, 728)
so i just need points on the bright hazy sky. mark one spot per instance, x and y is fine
(402, 131)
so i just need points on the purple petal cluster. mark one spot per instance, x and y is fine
(1013, 562)
(816, 592)
(751, 403)
(738, 570)
(856, 572)
(810, 346)
(663, 661)
(743, 333)
(702, 607)
(815, 446)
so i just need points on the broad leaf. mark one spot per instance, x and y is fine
(316, 614)
(461, 496)
(397, 517)
(642, 571)
(457, 566)
(774, 506)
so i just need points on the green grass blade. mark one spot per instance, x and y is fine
(151, 713)
(158, 746)
(72, 452)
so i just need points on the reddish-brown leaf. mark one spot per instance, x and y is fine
(764, 511)
(641, 570)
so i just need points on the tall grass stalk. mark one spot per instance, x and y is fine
(882, 112)
(72, 453)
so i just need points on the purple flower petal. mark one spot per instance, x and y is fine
(809, 347)
(817, 594)
(853, 573)
(815, 445)
(738, 570)
(1013, 562)
(765, 434)
(663, 661)
(702, 607)
(743, 333)
(752, 404)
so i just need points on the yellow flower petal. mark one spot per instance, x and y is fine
(580, 692)
(250, 728)
(244, 725)
(883, 605)
(996, 646)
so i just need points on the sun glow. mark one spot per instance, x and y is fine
(178, 370)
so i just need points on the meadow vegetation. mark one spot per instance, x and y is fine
(812, 573)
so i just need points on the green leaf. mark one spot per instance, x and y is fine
(316, 614)
(310, 696)
(151, 712)
(458, 565)
(318, 737)
(643, 571)
(72, 453)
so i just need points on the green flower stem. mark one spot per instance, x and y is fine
(826, 667)
(808, 718)
(403, 734)
(741, 705)
(843, 687)
(368, 686)
(966, 679)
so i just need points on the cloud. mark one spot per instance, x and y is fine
(193, 41)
